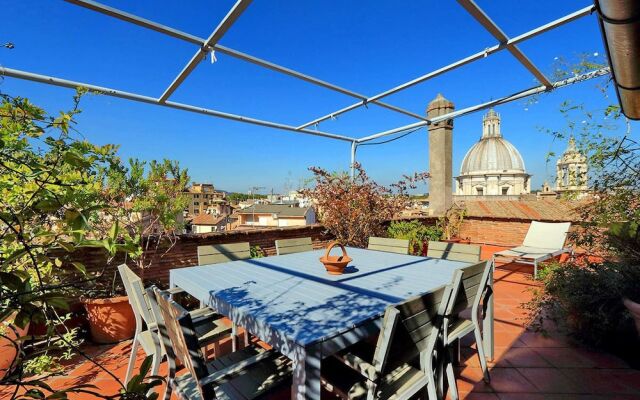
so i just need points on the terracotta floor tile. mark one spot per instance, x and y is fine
(600, 381)
(565, 357)
(551, 380)
(479, 396)
(602, 359)
(470, 379)
(524, 357)
(534, 339)
(509, 380)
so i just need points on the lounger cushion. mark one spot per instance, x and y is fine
(530, 253)
(545, 235)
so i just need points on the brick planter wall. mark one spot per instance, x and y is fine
(504, 232)
(492, 231)
(184, 253)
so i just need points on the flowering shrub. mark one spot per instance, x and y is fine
(355, 209)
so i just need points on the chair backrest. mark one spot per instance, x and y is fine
(547, 235)
(288, 246)
(454, 251)
(400, 246)
(138, 297)
(180, 341)
(409, 329)
(469, 285)
(219, 253)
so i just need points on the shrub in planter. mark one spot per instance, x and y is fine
(416, 232)
(586, 301)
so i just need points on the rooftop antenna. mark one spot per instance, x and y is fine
(253, 191)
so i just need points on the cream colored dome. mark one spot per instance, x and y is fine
(493, 153)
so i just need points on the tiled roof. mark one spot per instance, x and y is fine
(206, 219)
(544, 209)
(281, 210)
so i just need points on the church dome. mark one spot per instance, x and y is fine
(493, 153)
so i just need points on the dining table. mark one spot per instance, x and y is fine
(294, 305)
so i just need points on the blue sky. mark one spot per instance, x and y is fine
(364, 46)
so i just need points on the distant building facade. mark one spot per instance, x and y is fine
(275, 215)
(572, 171)
(493, 166)
(205, 223)
(205, 199)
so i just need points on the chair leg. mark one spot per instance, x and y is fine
(451, 377)
(440, 377)
(481, 356)
(535, 269)
(132, 358)
(168, 390)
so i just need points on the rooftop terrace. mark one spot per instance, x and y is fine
(527, 365)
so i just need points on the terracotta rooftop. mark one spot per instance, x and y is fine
(280, 209)
(206, 219)
(546, 210)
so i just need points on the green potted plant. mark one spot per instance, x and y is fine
(450, 224)
(416, 232)
(149, 209)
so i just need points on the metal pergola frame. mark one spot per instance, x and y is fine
(210, 45)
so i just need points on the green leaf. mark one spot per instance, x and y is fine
(11, 281)
(79, 266)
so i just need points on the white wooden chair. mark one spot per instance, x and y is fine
(289, 246)
(246, 374)
(210, 327)
(470, 287)
(400, 246)
(404, 362)
(544, 240)
(454, 251)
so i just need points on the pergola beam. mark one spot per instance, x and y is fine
(145, 23)
(14, 73)
(488, 24)
(503, 100)
(238, 8)
(474, 57)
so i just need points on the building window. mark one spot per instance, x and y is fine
(196, 211)
(479, 191)
(195, 203)
(505, 191)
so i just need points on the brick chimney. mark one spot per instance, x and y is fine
(440, 157)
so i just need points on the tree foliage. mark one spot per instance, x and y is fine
(53, 201)
(586, 298)
(355, 209)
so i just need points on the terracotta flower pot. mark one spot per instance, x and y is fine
(8, 349)
(110, 320)
(335, 265)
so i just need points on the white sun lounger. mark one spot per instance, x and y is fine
(544, 240)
